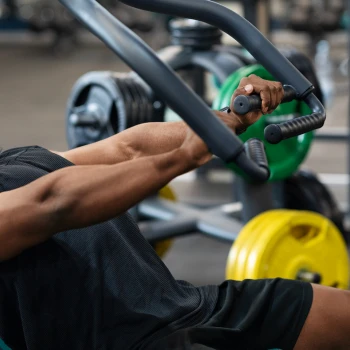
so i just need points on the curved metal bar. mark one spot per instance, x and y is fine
(251, 39)
(238, 28)
(141, 58)
(171, 89)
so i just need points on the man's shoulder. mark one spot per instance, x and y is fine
(22, 165)
(34, 156)
(13, 152)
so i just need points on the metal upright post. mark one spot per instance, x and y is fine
(257, 12)
(250, 11)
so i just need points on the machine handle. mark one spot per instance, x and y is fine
(170, 88)
(276, 133)
(260, 48)
(253, 161)
(255, 150)
(245, 104)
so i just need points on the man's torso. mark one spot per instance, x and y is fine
(102, 287)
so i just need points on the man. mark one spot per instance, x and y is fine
(77, 274)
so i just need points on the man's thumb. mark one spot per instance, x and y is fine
(249, 88)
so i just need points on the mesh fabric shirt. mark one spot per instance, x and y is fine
(101, 287)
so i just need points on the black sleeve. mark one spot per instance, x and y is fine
(43, 159)
(20, 166)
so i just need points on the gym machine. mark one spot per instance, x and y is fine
(280, 243)
(104, 103)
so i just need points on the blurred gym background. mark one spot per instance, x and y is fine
(43, 51)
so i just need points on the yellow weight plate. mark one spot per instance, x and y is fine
(264, 225)
(163, 247)
(240, 252)
(319, 245)
(283, 243)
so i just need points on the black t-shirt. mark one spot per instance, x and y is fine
(101, 287)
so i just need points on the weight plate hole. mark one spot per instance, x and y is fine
(304, 233)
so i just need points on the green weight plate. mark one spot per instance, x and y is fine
(285, 157)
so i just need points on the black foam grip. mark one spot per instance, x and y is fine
(245, 104)
(276, 133)
(256, 152)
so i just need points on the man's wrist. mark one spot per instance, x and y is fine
(240, 128)
(174, 163)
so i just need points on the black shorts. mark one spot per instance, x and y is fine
(263, 314)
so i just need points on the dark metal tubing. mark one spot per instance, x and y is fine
(155, 231)
(336, 136)
(263, 51)
(168, 86)
(236, 26)
(184, 219)
(256, 198)
(143, 60)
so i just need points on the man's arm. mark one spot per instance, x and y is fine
(143, 140)
(151, 139)
(76, 197)
(80, 196)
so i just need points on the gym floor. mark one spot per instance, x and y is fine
(34, 89)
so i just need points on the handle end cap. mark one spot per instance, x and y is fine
(241, 105)
(273, 134)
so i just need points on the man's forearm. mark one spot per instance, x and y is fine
(151, 139)
(81, 196)
(89, 195)
(143, 140)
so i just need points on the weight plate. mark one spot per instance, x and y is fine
(284, 158)
(82, 97)
(239, 254)
(163, 247)
(245, 252)
(304, 191)
(286, 243)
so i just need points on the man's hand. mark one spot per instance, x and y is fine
(271, 94)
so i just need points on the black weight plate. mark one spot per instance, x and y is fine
(144, 105)
(304, 191)
(129, 101)
(136, 115)
(117, 105)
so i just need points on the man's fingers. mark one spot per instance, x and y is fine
(271, 93)
(280, 92)
(274, 98)
(265, 95)
(277, 94)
